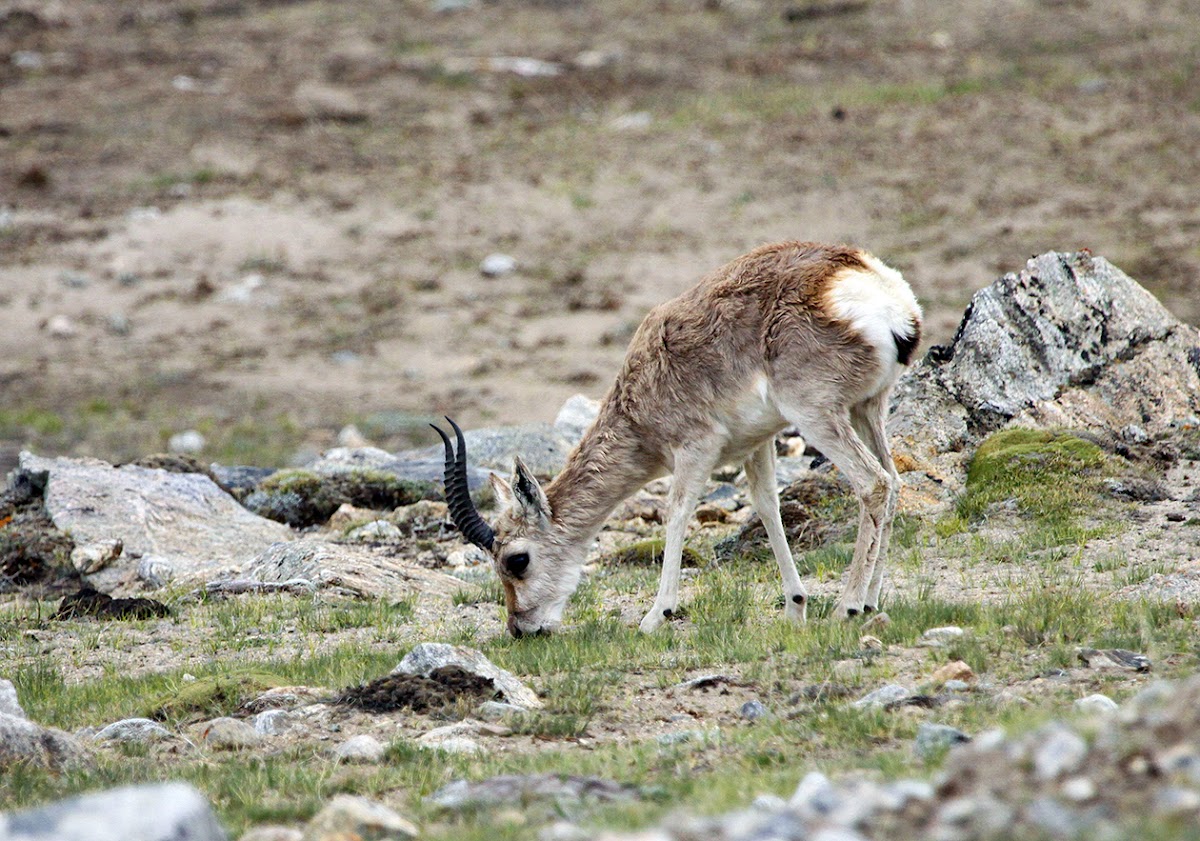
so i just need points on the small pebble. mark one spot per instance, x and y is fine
(753, 710)
(497, 265)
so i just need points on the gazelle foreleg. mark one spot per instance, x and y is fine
(693, 465)
(760, 475)
(870, 421)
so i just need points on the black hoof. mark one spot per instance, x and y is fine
(798, 599)
(852, 611)
(668, 613)
(868, 609)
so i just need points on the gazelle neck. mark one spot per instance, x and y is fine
(607, 466)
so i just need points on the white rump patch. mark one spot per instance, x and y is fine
(878, 304)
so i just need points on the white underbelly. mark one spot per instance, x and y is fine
(749, 420)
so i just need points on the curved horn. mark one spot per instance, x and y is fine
(458, 497)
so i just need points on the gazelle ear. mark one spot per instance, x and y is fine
(503, 492)
(528, 495)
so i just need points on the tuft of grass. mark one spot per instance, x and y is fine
(650, 553)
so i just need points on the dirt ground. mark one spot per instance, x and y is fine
(264, 209)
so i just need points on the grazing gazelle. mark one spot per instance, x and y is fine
(796, 333)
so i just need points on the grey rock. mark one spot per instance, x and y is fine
(22, 740)
(240, 480)
(513, 788)
(133, 730)
(815, 797)
(423, 465)
(575, 416)
(543, 448)
(1097, 704)
(1054, 818)
(1114, 659)
(350, 816)
(9, 705)
(1176, 800)
(184, 518)
(155, 571)
(1058, 751)
(681, 737)
(498, 711)
(361, 748)
(427, 656)
(752, 710)
(90, 558)
(376, 530)
(348, 569)
(273, 722)
(1069, 341)
(932, 739)
(890, 694)
(158, 812)
(451, 744)
(229, 734)
(941, 636)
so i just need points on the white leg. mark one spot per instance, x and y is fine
(760, 474)
(870, 421)
(831, 432)
(692, 469)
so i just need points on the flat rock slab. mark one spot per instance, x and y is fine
(184, 519)
(512, 789)
(166, 812)
(1071, 340)
(353, 570)
(428, 656)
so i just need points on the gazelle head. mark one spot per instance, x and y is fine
(538, 567)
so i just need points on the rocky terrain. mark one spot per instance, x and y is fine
(1016, 720)
(249, 248)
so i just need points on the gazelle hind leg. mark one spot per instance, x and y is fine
(692, 469)
(760, 475)
(870, 421)
(831, 431)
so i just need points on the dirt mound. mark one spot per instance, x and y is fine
(90, 602)
(442, 688)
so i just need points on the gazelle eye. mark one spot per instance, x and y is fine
(517, 563)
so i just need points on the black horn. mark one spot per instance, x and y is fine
(458, 497)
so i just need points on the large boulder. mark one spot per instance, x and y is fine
(27, 742)
(160, 812)
(191, 528)
(1070, 340)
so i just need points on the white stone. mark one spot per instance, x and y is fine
(188, 442)
(427, 656)
(1097, 704)
(1079, 789)
(883, 696)
(9, 705)
(497, 265)
(88, 558)
(1058, 751)
(274, 722)
(361, 748)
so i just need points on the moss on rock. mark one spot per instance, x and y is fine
(303, 498)
(1049, 474)
(649, 553)
(213, 695)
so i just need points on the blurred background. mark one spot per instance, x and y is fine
(261, 222)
